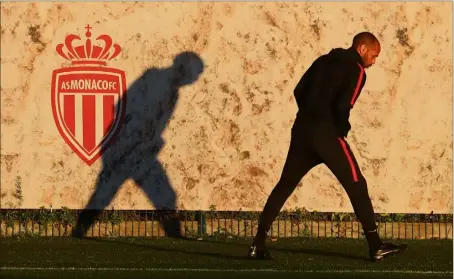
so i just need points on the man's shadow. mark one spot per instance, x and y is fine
(150, 102)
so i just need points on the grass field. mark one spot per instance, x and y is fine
(38, 257)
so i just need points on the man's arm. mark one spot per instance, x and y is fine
(346, 96)
(317, 87)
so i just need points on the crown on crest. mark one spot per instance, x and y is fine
(88, 53)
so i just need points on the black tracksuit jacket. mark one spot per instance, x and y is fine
(329, 89)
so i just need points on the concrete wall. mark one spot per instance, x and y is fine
(222, 139)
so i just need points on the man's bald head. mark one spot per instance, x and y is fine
(365, 38)
(368, 47)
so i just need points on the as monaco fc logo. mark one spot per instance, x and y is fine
(87, 97)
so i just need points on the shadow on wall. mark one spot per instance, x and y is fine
(150, 102)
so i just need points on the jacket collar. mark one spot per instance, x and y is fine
(355, 55)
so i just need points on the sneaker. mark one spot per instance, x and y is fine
(386, 249)
(259, 254)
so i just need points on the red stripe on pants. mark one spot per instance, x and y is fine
(89, 121)
(350, 160)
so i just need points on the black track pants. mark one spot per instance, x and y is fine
(309, 147)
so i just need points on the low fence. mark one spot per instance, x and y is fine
(195, 224)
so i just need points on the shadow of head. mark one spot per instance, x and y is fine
(187, 68)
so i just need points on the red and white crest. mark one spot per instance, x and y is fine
(88, 101)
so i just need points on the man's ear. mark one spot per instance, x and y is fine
(362, 49)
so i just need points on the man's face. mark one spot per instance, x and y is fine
(369, 53)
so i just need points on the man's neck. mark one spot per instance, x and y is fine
(356, 55)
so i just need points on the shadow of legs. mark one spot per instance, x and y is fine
(172, 227)
(107, 186)
(85, 220)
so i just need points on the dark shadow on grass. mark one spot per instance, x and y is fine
(314, 252)
(162, 249)
(324, 253)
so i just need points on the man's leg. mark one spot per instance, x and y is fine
(339, 158)
(107, 186)
(337, 155)
(300, 159)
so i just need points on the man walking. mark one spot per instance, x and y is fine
(325, 95)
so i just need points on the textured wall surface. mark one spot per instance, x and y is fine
(222, 139)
